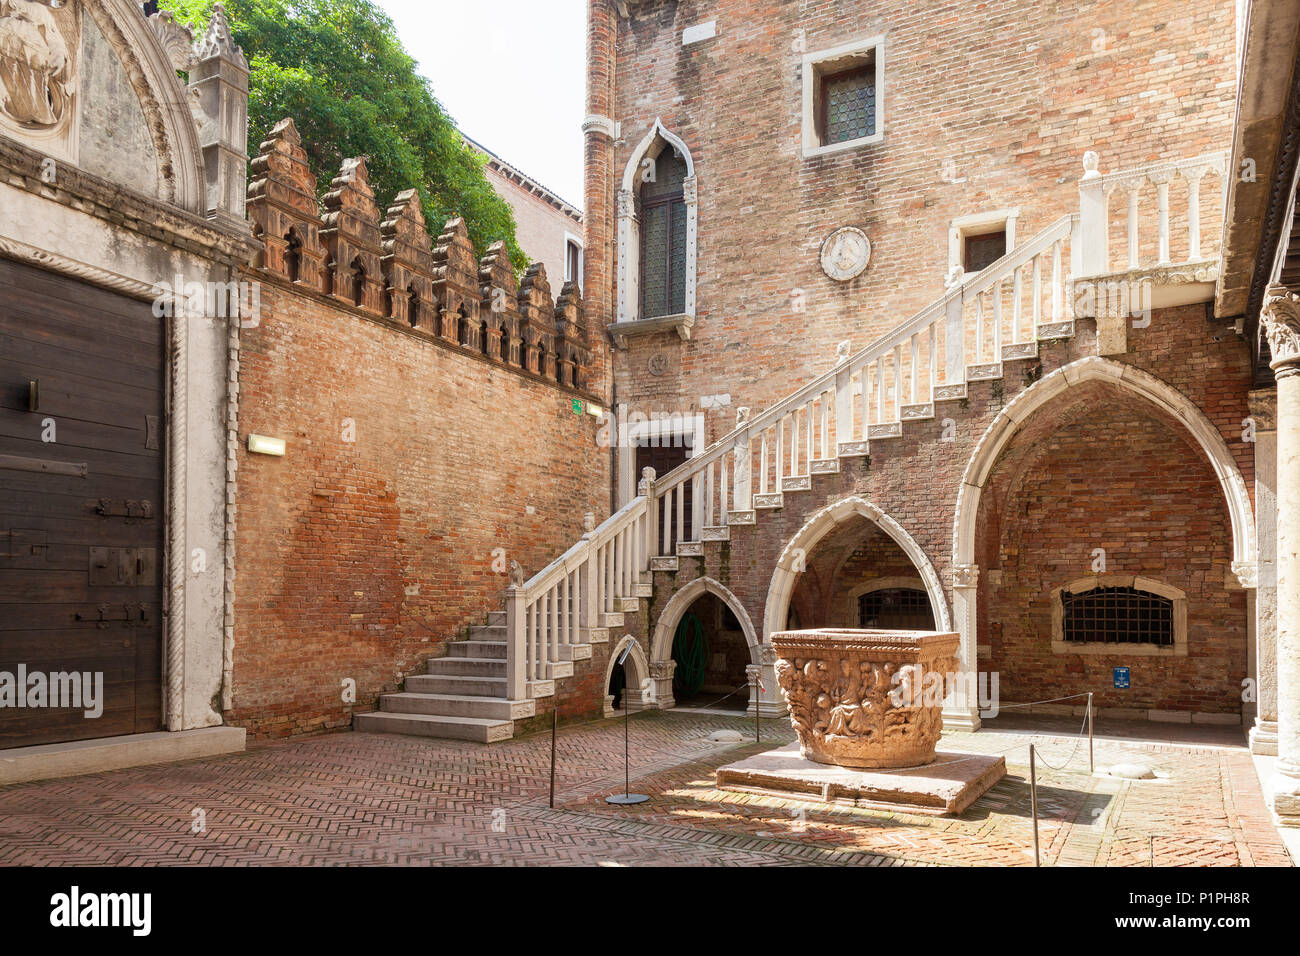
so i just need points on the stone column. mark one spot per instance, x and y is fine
(1280, 318)
(771, 702)
(661, 682)
(961, 710)
(1263, 414)
(600, 133)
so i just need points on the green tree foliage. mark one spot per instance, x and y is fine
(338, 68)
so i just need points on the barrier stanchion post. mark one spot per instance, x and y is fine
(1090, 767)
(755, 672)
(1033, 798)
(555, 720)
(627, 796)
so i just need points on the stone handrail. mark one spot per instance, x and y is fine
(559, 607)
(1095, 189)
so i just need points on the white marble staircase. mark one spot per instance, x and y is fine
(983, 321)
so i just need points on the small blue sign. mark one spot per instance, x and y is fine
(1121, 678)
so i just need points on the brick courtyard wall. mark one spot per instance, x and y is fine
(424, 453)
(985, 108)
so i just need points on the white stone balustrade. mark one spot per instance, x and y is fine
(1138, 185)
(566, 605)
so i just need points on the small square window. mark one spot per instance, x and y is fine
(982, 251)
(842, 97)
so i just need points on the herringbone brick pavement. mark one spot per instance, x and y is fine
(364, 800)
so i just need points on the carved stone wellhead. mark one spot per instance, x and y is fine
(862, 698)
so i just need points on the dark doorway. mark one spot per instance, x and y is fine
(711, 654)
(665, 454)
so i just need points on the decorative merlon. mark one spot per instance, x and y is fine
(218, 42)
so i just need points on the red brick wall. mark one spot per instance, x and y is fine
(856, 553)
(1108, 472)
(359, 560)
(1010, 92)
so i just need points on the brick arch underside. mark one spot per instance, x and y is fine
(1104, 468)
(856, 553)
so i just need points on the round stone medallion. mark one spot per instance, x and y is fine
(658, 363)
(846, 253)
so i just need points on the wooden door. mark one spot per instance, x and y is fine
(81, 503)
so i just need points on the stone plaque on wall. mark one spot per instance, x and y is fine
(39, 74)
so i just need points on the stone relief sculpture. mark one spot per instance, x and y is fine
(866, 698)
(37, 72)
(845, 253)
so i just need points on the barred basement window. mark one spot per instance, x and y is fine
(663, 237)
(901, 609)
(1117, 615)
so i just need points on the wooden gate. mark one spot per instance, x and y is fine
(81, 507)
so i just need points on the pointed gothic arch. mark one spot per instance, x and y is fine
(629, 225)
(818, 526)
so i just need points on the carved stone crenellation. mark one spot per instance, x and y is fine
(350, 233)
(392, 268)
(407, 262)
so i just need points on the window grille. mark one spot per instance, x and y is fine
(663, 238)
(849, 105)
(1117, 615)
(902, 609)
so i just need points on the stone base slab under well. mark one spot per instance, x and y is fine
(948, 785)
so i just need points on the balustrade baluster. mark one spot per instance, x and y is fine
(934, 360)
(915, 370)
(1133, 225)
(865, 375)
(1058, 288)
(997, 321)
(880, 389)
(1017, 291)
(1036, 314)
(1193, 215)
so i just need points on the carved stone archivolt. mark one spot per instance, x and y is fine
(866, 698)
(38, 49)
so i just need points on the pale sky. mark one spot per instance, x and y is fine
(511, 73)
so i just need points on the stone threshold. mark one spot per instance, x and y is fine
(77, 757)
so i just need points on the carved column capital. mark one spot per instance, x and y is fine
(595, 123)
(626, 204)
(965, 575)
(1247, 573)
(662, 670)
(1280, 316)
